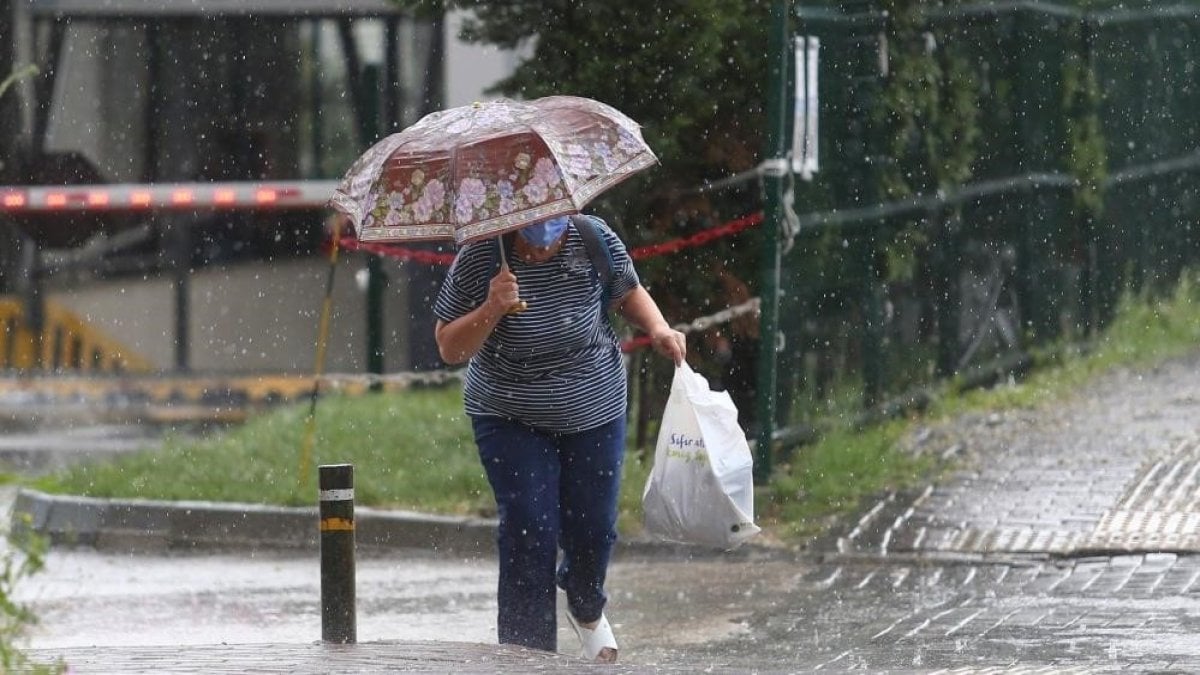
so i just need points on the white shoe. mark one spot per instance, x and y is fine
(599, 645)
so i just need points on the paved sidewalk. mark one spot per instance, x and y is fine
(1114, 470)
(1134, 613)
(1068, 540)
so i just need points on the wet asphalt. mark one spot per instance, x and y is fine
(1067, 539)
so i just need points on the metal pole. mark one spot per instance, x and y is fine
(1102, 270)
(423, 281)
(371, 122)
(337, 553)
(946, 272)
(318, 137)
(773, 153)
(33, 296)
(376, 282)
(9, 114)
(179, 243)
(874, 354)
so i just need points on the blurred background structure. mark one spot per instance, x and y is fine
(272, 99)
(940, 191)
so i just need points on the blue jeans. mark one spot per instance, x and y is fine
(552, 491)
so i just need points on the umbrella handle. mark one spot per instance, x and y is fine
(520, 305)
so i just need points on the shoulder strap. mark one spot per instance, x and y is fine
(597, 249)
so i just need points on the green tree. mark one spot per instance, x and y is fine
(692, 73)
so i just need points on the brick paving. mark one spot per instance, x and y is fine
(1125, 613)
(1114, 470)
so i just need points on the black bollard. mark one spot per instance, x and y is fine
(338, 624)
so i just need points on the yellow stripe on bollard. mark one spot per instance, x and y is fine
(336, 525)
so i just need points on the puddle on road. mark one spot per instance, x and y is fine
(89, 598)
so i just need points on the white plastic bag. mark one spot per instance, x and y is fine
(701, 489)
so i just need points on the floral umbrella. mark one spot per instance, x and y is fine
(487, 168)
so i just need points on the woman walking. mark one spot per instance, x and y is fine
(546, 395)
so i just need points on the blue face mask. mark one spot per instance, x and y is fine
(546, 232)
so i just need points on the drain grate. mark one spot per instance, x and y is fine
(1161, 511)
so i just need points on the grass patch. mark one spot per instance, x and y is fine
(410, 450)
(832, 477)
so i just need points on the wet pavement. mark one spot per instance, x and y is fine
(1114, 469)
(1136, 613)
(107, 612)
(1066, 541)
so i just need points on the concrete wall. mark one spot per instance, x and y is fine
(250, 318)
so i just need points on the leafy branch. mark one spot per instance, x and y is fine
(18, 75)
(24, 557)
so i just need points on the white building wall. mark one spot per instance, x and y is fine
(249, 318)
(260, 317)
(471, 69)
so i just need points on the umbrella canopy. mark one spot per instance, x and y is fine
(487, 168)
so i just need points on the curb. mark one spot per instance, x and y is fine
(150, 526)
(159, 526)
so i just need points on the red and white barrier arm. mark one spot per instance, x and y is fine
(228, 196)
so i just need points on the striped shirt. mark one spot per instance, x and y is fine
(556, 366)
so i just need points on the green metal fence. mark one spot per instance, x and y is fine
(992, 178)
